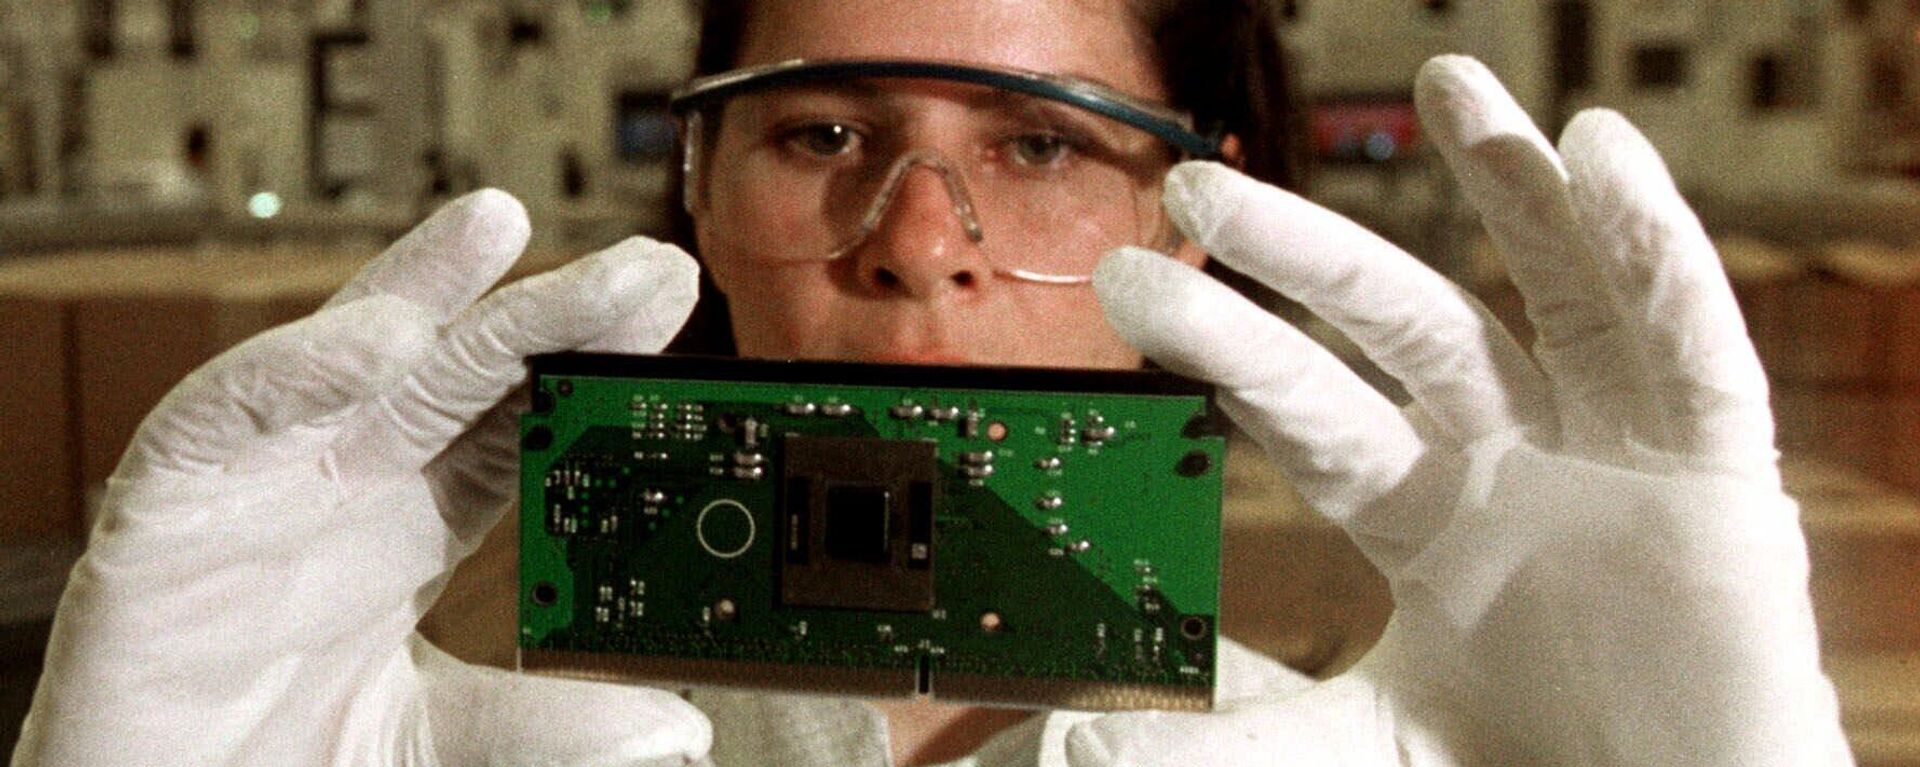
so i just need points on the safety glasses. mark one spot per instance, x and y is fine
(802, 161)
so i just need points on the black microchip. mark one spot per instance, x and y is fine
(859, 522)
(858, 528)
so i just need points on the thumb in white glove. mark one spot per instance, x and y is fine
(1590, 556)
(286, 515)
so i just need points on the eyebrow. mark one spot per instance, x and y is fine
(859, 88)
(1022, 104)
(981, 98)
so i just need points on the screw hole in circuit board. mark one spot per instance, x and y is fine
(545, 594)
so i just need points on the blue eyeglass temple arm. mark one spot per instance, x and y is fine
(1166, 124)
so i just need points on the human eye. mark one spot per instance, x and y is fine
(822, 139)
(1042, 149)
(1043, 140)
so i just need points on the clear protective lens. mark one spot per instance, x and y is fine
(809, 171)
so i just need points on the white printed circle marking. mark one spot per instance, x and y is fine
(700, 528)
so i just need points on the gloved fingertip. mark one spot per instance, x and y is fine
(1137, 288)
(632, 724)
(1201, 194)
(1612, 162)
(1600, 137)
(1589, 126)
(1444, 88)
(675, 288)
(675, 274)
(497, 717)
(623, 298)
(1450, 72)
(1605, 140)
(649, 726)
(1182, 318)
(1124, 266)
(1088, 746)
(450, 258)
(637, 275)
(499, 212)
(1462, 105)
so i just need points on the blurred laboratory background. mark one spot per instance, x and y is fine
(176, 175)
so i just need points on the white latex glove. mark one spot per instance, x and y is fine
(284, 517)
(1590, 555)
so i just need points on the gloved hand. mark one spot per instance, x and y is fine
(1589, 552)
(284, 517)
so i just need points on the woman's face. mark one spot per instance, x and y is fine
(918, 289)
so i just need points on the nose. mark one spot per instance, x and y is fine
(923, 241)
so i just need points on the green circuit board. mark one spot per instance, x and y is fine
(1018, 536)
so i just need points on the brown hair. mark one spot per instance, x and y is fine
(1222, 61)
